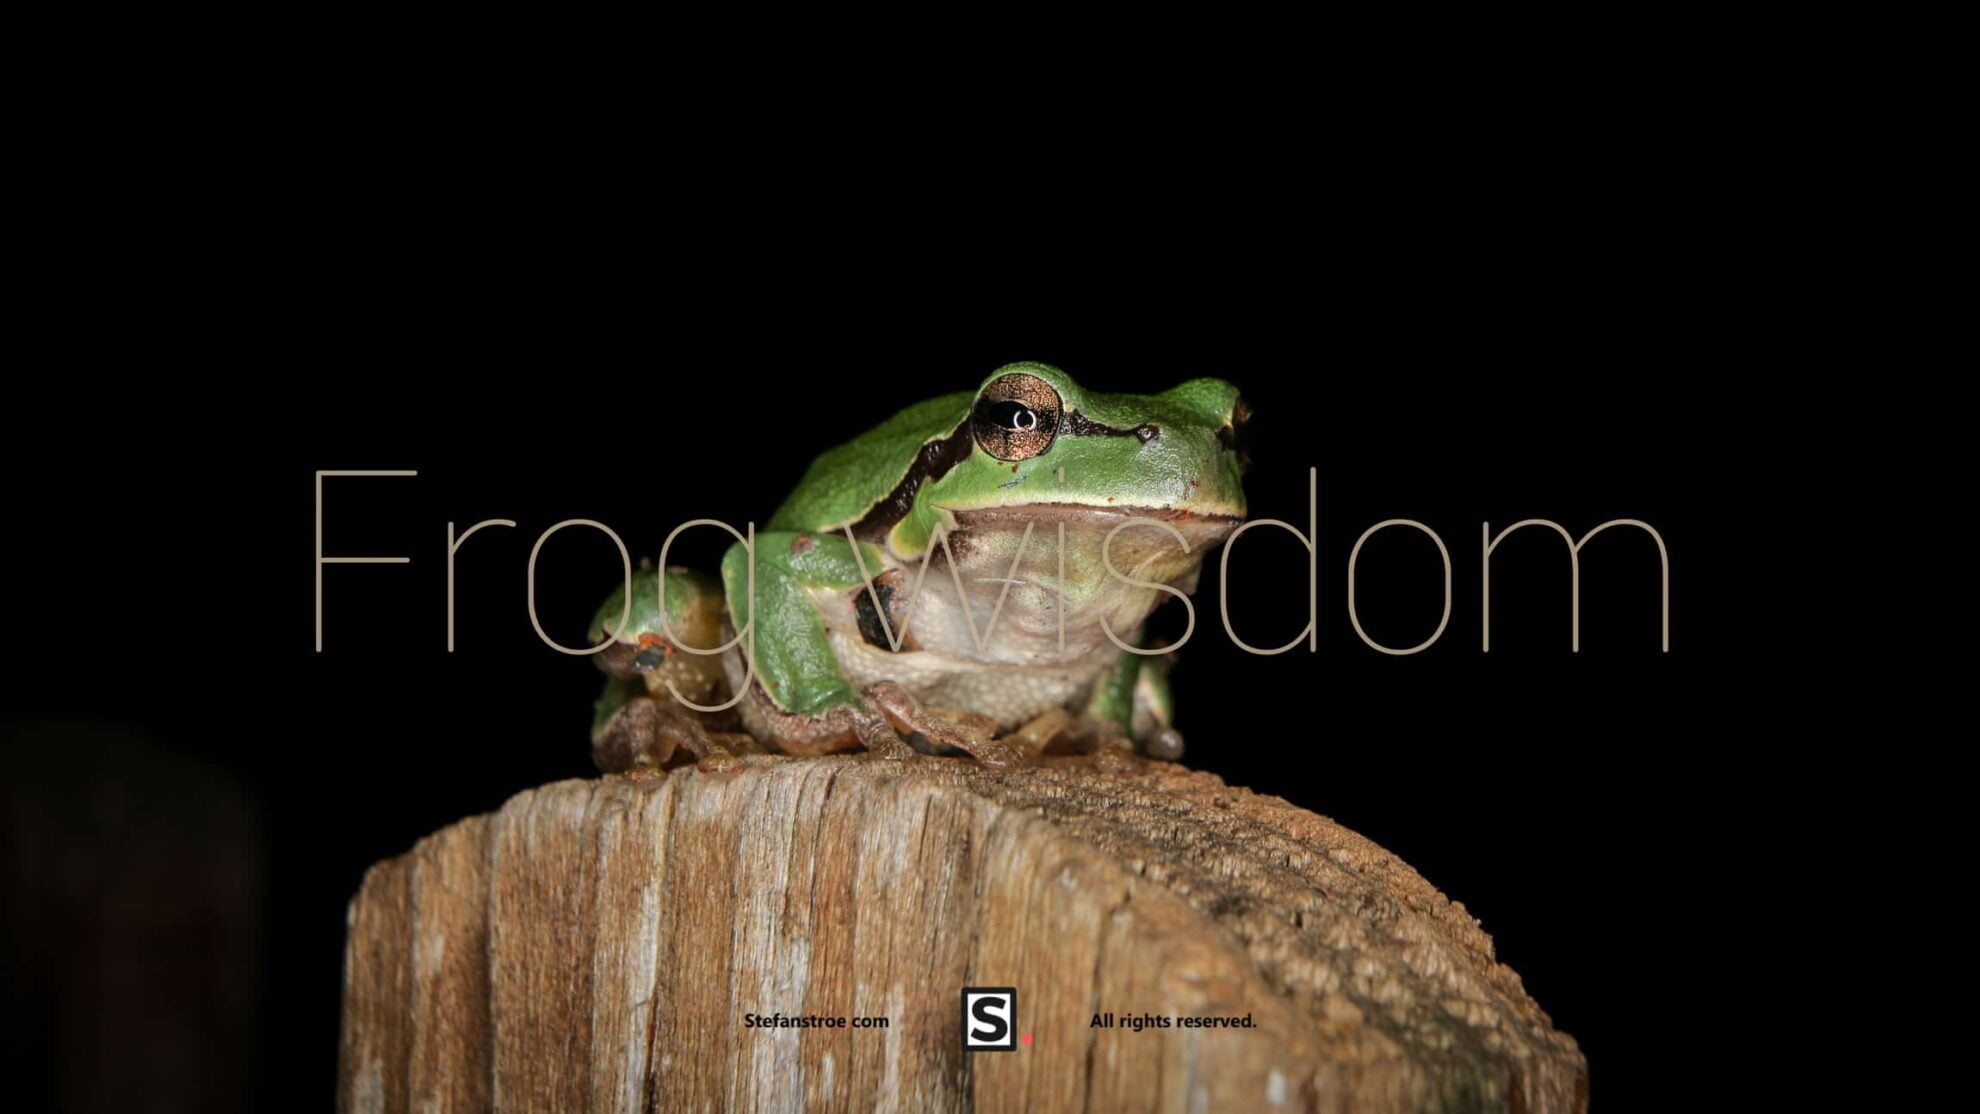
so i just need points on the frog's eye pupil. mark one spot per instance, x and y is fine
(1011, 414)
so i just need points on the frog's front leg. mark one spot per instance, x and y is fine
(826, 730)
(799, 698)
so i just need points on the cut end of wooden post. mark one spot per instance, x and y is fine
(799, 934)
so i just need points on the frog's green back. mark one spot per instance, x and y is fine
(845, 482)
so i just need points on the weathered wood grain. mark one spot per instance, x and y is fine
(597, 945)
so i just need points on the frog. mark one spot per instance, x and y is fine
(971, 577)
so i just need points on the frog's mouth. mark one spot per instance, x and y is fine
(1101, 545)
(1198, 528)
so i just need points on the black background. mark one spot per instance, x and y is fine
(1570, 365)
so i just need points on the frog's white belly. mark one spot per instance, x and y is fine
(1006, 692)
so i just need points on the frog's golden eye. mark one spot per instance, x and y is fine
(1016, 417)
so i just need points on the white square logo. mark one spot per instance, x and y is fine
(989, 1018)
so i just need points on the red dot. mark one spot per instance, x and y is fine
(1025, 1038)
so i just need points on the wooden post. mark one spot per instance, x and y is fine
(602, 945)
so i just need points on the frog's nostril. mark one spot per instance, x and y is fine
(1146, 432)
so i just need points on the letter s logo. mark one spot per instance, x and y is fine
(989, 1021)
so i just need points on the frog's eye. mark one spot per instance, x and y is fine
(1016, 417)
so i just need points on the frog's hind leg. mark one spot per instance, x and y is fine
(632, 732)
(638, 723)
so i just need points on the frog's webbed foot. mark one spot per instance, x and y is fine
(1110, 748)
(1061, 733)
(944, 727)
(640, 735)
(1054, 726)
(1103, 742)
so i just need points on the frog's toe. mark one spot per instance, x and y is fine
(998, 755)
(974, 740)
(1116, 760)
(883, 742)
(1165, 744)
(643, 775)
(717, 762)
(735, 742)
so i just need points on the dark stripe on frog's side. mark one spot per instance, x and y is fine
(930, 464)
(871, 628)
(1079, 425)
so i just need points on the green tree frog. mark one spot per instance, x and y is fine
(970, 575)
